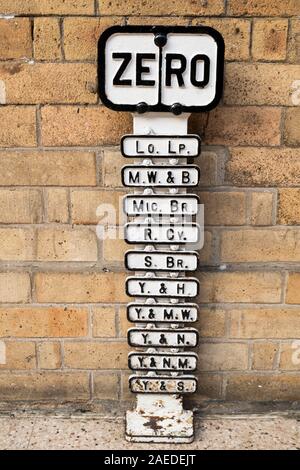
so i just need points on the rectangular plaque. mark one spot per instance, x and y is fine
(181, 385)
(136, 260)
(166, 313)
(136, 176)
(163, 337)
(163, 361)
(171, 146)
(162, 287)
(175, 234)
(181, 204)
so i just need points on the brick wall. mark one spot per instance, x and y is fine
(62, 318)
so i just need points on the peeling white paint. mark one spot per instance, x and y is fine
(2, 92)
(2, 352)
(7, 17)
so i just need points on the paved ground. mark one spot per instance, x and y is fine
(53, 432)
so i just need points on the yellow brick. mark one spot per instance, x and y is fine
(72, 125)
(49, 355)
(236, 34)
(211, 323)
(206, 253)
(94, 355)
(260, 84)
(157, 20)
(291, 126)
(15, 287)
(19, 355)
(15, 38)
(92, 207)
(81, 36)
(20, 206)
(112, 163)
(243, 126)
(261, 208)
(254, 287)
(48, 386)
(17, 244)
(17, 126)
(47, 39)
(106, 386)
(249, 166)
(260, 245)
(104, 322)
(162, 7)
(57, 205)
(209, 387)
(222, 356)
(263, 7)
(114, 249)
(269, 39)
(293, 289)
(294, 41)
(43, 322)
(47, 7)
(48, 168)
(266, 322)
(263, 387)
(124, 323)
(223, 208)
(66, 244)
(290, 356)
(77, 287)
(49, 83)
(288, 206)
(264, 355)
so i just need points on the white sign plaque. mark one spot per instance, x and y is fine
(163, 362)
(161, 260)
(166, 313)
(161, 233)
(161, 204)
(144, 384)
(163, 338)
(171, 146)
(136, 176)
(162, 287)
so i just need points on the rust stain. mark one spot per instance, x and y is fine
(153, 423)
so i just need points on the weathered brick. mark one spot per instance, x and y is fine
(16, 244)
(48, 168)
(294, 41)
(112, 162)
(260, 245)
(47, 7)
(72, 125)
(114, 249)
(49, 355)
(104, 322)
(290, 356)
(92, 207)
(249, 166)
(292, 126)
(254, 287)
(106, 386)
(95, 355)
(263, 7)
(288, 206)
(17, 126)
(47, 44)
(14, 287)
(209, 387)
(44, 386)
(15, 38)
(124, 323)
(81, 36)
(264, 355)
(245, 125)
(262, 208)
(269, 39)
(43, 322)
(19, 355)
(260, 84)
(206, 254)
(21, 206)
(49, 83)
(266, 322)
(293, 289)
(236, 34)
(77, 287)
(66, 244)
(211, 323)
(158, 20)
(162, 7)
(57, 205)
(223, 356)
(223, 208)
(263, 387)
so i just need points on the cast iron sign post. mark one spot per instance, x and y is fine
(161, 75)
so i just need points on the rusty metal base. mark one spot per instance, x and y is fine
(159, 419)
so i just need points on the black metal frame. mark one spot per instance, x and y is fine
(160, 32)
(160, 196)
(174, 137)
(180, 378)
(163, 279)
(163, 305)
(164, 330)
(157, 168)
(152, 242)
(182, 354)
(170, 253)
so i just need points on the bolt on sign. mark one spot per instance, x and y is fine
(161, 74)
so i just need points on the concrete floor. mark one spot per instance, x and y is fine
(40, 431)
